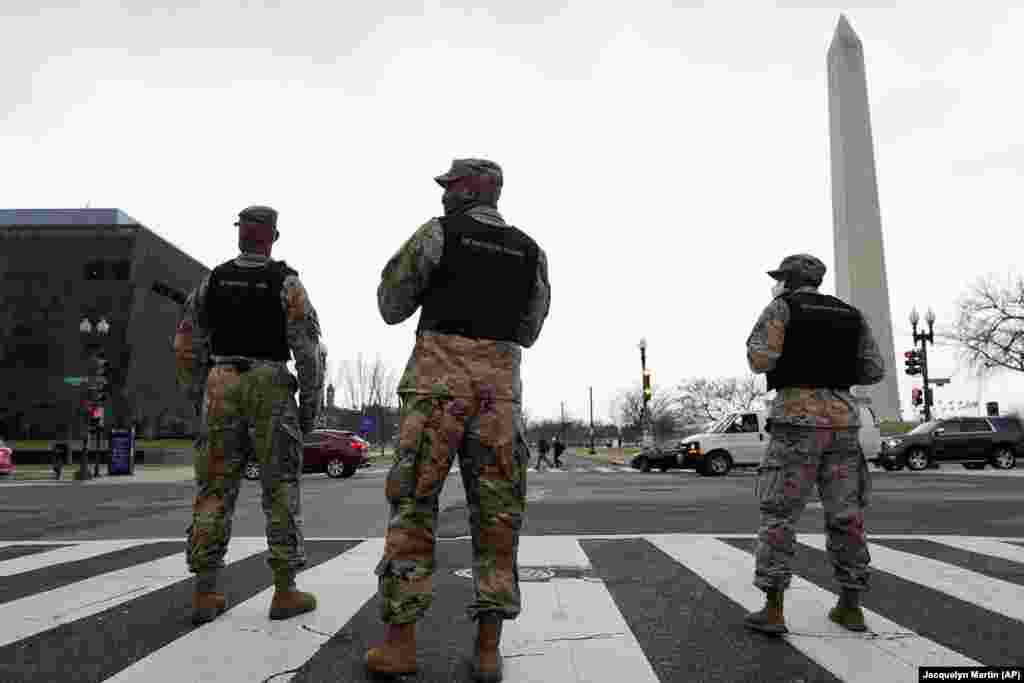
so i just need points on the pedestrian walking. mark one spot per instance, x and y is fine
(483, 288)
(237, 332)
(60, 456)
(558, 448)
(542, 449)
(813, 347)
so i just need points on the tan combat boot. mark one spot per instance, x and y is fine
(847, 612)
(207, 606)
(288, 600)
(770, 619)
(487, 662)
(397, 655)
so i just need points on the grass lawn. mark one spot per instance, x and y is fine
(35, 472)
(140, 444)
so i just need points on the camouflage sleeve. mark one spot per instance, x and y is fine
(870, 363)
(192, 344)
(303, 330)
(764, 345)
(537, 310)
(407, 274)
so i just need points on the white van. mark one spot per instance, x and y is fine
(740, 440)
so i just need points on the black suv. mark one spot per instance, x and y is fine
(972, 441)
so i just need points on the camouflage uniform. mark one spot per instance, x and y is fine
(457, 394)
(814, 441)
(249, 414)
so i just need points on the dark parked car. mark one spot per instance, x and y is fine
(663, 457)
(336, 452)
(971, 441)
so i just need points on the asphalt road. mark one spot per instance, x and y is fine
(684, 617)
(950, 501)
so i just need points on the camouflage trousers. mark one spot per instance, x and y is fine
(493, 457)
(248, 415)
(797, 459)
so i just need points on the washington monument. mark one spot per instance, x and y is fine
(857, 224)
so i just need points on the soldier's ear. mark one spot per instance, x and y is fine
(276, 234)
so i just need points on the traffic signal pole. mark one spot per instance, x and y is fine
(924, 375)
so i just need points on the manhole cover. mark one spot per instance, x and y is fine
(525, 574)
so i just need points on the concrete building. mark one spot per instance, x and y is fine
(60, 266)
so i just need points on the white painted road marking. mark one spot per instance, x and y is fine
(242, 645)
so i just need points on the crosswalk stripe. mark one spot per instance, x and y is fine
(572, 632)
(551, 551)
(995, 595)
(604, 469)
(850, 657)
(34, 614)
(570, 629)
(223, 650)
(72, 553)
(983, 546)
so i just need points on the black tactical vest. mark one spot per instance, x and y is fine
(484, 282)
(820, 346)
(245, 311)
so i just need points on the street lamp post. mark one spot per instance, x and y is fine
(592, 449)
(86, 329)
(643, 409)
(925, 338)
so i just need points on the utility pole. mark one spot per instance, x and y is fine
(562, 434)
(646, 390)
(592, 449)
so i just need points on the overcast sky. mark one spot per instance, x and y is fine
(665, 155)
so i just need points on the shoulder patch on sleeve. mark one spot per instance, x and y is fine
(296, 301)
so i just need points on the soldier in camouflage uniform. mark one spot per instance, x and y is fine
(813, 348)
(483, 287)
(232, 346)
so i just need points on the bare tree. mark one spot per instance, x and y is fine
(363, 383)
(370, 387)
(989, 328)
(710, 399)
(750, 391)
(527, 418)
(661, 410)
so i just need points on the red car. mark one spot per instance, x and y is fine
(336, 452)
(6, 459)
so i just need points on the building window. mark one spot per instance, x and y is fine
(120, 270)
(102, 269)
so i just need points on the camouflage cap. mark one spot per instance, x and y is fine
(462, 168)
(803, 265)
(258, 214)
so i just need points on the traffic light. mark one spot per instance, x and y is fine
(916, 397)
(647, 385)
(95, 416)
(103, 379)
(913, 362)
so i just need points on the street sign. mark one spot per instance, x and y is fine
(75, 381)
